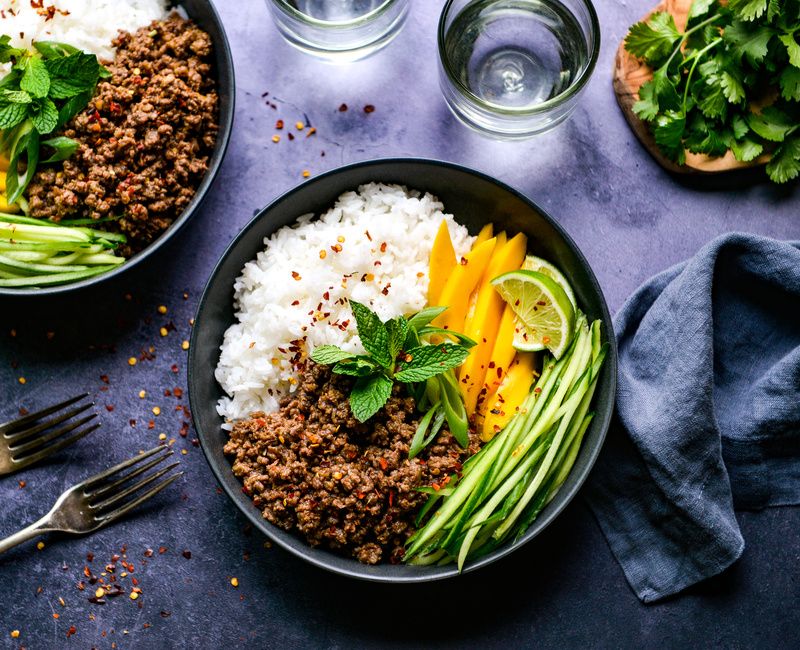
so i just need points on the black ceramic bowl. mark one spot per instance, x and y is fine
(205, 15)
(474, 199)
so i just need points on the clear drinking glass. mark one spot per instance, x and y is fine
(514, 68)
(339, 30)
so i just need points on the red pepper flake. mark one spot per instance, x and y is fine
(383, 247)
(161, 551)
(463, 261)
(104, 378)
(151, 425)
(165, 613)
(110, 408)
(391, 498)
(174, 367)
(71, 631)
(22, 484)
(187, 554)
(290, 135)
(279, 124)
(23, 410)
(385, 290)
(89, 558)
(369, 108)
(311, 131)
(296, 275)
(342, 108)
(148, 552)
(177, 392)
(383, 463)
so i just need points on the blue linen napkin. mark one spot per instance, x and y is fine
(708, 412)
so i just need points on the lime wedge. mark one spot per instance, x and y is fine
(545, 315)
(533, 263)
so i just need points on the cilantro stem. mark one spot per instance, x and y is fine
(687, 34)
(699, 55)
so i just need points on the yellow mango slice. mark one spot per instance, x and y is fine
(2, 181)
(461, 283)
(5, 207)
(487, 232)
(502, 355)
(442, 263)
(482, 326)
(4, 162)
(513, 390)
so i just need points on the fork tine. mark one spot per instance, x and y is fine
(116, 498)
(22, 448)
(27, 433)
(104, 490)
(93, 480)
(32, 417)
(115, 514)
(52, 449)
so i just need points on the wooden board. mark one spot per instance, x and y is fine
(630, 74)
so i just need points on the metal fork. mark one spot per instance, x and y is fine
(101, 499)
(25, 441)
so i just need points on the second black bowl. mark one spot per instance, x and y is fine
(475, 199)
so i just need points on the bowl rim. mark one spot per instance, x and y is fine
(307, 552)
(217, 158)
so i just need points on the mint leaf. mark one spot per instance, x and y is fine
(425, 316)
(326, 354)
(16, 97)
(53, 49)
(748, 9)
(12, 114)
(369, 396)
(397, 330)
(653, 40)
(72, 75)
(373, 334)
(463, 339)
(45, 117)
(35, 79)
(360, 366)
(72, 107)
(792, 48)
(785, 163)
(790, 83)
(427, 361)
(772, 124)
(7, 52)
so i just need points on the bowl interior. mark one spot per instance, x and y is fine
(205, 15)
(474, 199)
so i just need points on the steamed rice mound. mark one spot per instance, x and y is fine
(373, 246)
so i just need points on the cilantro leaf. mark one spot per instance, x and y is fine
(748, 9)
(656, 95)
(329, 354)
(35, 78)
(699, 8)
(790, 83)
(427, 361)
(739, 127)
(653, 40)
(369, 395)
(785, 163)
(746, 149)
(732, 86)
(748, 41)
(792, 48)
(668, 132)
(771, 124)
(705, 139)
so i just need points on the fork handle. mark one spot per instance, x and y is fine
(34, 530)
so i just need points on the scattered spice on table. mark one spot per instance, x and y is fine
(369, 108)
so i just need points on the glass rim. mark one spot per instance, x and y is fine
(284, 6)
(542, 107)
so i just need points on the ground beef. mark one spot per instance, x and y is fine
(344, 485)
(145, 138)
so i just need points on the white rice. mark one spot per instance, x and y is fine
(89, 25)
(297, 287)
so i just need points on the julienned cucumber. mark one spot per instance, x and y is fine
(36, 253)
(504, 486)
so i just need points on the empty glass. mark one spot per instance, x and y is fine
(514, 68)
(339, 30)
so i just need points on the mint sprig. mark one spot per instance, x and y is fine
(44, 89)
(395, 353)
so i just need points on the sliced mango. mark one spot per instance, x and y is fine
(502, 355)
(4, 162)
(442, 263)
(2, 179)
(505, 402)
(460, 285)
(5, 207)
(484, 321)
(487, 232)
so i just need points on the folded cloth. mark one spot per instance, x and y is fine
(708, 412)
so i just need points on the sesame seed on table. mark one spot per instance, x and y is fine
(193, 572)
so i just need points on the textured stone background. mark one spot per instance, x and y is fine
(563, 589)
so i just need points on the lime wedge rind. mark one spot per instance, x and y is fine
(533, 263)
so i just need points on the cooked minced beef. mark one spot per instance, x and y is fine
(146, 136)
(344, 485)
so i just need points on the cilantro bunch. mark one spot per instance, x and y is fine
(399, 350)
(731, 80)
(43, 91)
